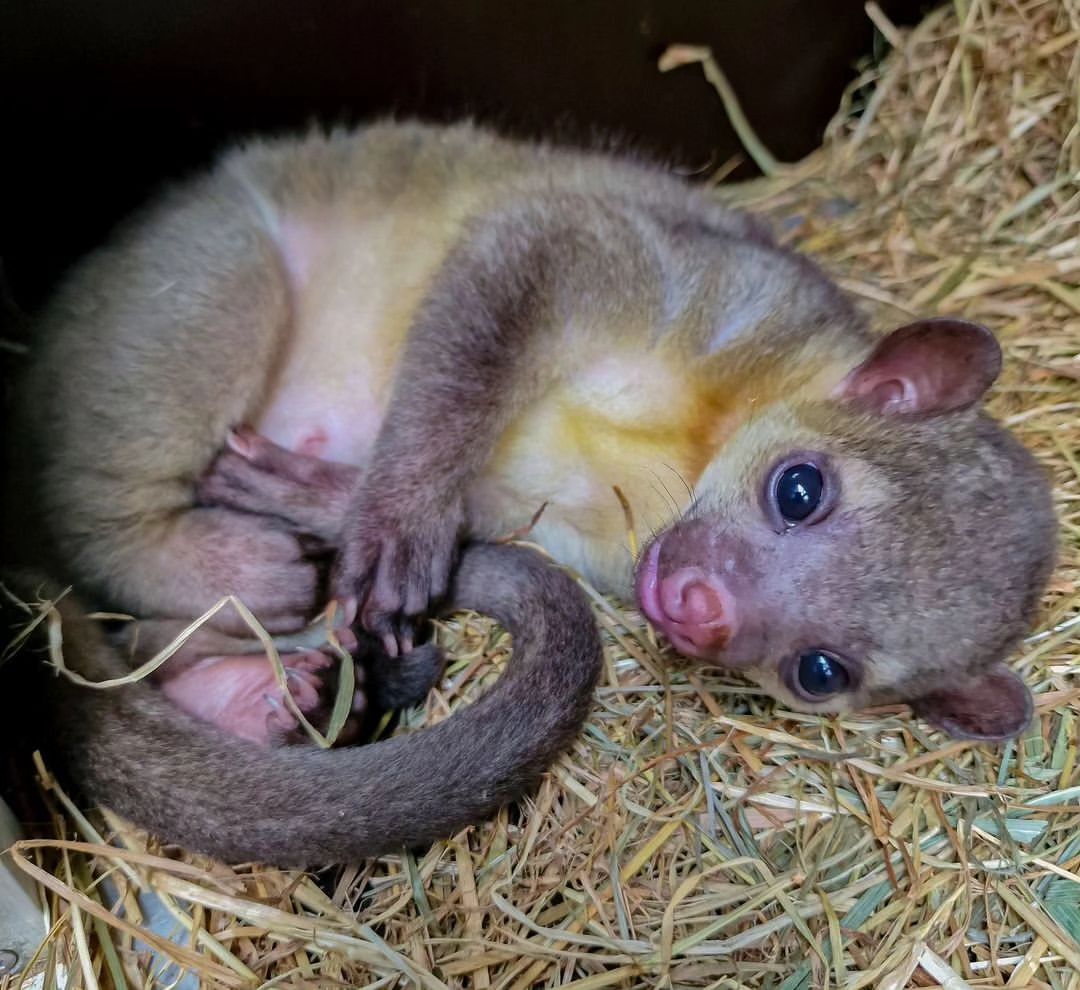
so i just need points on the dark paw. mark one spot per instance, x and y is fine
(398, 567)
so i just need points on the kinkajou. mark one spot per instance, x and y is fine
(480, 327)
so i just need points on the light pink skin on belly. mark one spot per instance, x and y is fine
(304, 421)
(314, 444)
(327, 400)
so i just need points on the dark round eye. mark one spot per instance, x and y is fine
(821, 674)
(798, 492)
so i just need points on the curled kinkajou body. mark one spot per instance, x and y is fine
(481, 326)
(193, 784)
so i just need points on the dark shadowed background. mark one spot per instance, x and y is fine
(105, 98)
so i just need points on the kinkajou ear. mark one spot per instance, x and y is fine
(993, 706)
(926, 368)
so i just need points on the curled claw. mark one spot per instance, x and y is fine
(304, 693)
(350, 607)
(279, 721)
(387, 642)
(241, 440)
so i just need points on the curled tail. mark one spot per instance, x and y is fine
(189, 783)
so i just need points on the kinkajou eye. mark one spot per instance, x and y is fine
(820, 675)
(798, 491)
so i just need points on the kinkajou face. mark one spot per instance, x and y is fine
(848, 551)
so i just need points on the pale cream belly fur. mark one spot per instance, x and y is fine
(355, 291)
(349, 318)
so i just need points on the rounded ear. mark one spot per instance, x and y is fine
(925, 368)
(994, 706)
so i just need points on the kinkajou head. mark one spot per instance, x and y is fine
(888, 542)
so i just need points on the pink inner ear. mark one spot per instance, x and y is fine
(895, 395)
(928, 367)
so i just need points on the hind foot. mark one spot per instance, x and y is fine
(240, 695)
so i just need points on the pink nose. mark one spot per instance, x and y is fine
(698, 607)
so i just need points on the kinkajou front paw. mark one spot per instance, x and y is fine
(397, 561)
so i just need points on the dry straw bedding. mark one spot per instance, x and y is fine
(697, 836)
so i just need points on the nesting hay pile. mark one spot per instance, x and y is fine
(697, 836)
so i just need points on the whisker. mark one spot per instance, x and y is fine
(674, 513)
(678, 474)
(662, 491)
